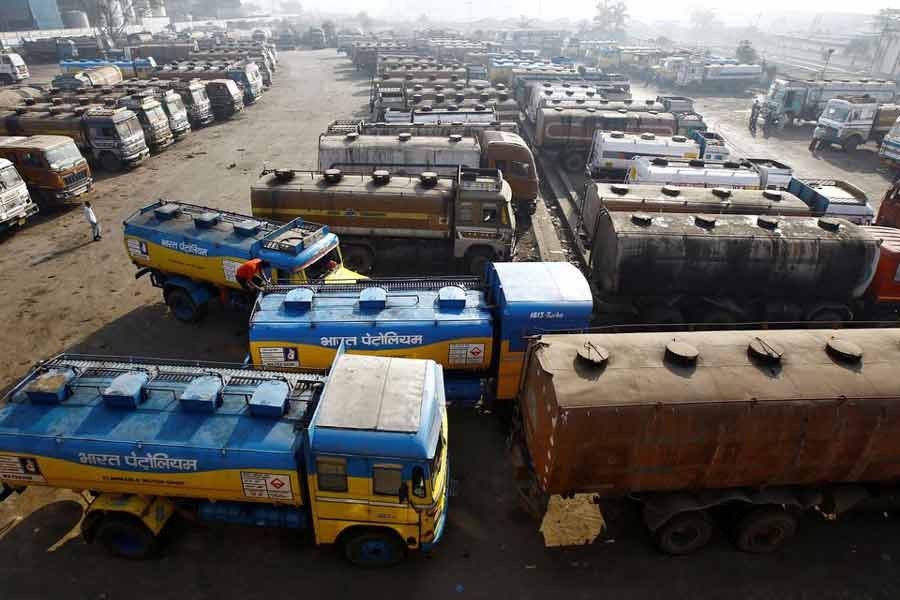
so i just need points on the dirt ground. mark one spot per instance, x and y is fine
(60, 291)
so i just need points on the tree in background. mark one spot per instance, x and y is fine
(110, 18)
(330, 29)
(291, 7)
(704, 20)
(746, 53)
(611, 18)
(365, 21)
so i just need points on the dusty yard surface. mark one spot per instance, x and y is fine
(60, 291)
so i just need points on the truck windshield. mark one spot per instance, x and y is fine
(894, 133)
(175, 104)
(200, 96)
(156, 115)
(438, 455)
(62, 156)
(128, 127)
(324, 265)
(9, 178)
(837, 112)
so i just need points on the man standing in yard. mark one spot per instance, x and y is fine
(92, 219)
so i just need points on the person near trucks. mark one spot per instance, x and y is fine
(91, 218)
(754, 115)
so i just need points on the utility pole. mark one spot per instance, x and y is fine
(828, 54)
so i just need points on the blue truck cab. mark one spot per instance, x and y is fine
(357, 454)
(834, 198)
(476, 328)
(194, 254)
(712, 145)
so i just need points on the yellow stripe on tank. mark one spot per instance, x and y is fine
(203, 268)
(318, 357)
(245, 485)
(278, 214)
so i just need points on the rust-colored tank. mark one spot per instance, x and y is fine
(621, 414)
(561, 126)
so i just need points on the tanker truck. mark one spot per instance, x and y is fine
(745, 430)
(804, 100)
(229, 444)
(245, 75)
(196, 101)
(197, 255)
(852, 122)
(112, 136)
(449, 223)
(725, 268)
(477, 328)
(408, 153)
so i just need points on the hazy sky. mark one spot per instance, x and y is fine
(578, 9)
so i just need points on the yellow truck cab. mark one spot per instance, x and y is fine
(51, 165)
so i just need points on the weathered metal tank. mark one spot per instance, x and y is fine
(643, 254)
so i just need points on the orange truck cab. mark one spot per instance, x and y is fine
(884, 290)
(889, 211)
(510, 154)
(51, 165)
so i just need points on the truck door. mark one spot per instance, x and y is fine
(889, 211)
(391, 500)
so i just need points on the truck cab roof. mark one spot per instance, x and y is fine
(394, 404)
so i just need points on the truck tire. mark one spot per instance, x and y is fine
(850, 144)
(358, 259)
(764, 530)
(124, 536)
(6, 79)
(374, 549)
(110, 163)
(183, 306)
(788, 119)
(685, 533)
(477, 260)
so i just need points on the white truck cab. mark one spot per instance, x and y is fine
(12, 69)
(16, 206)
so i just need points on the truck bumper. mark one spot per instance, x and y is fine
(133, 161)
(20, 218)
(82, 188)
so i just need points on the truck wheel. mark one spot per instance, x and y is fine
(126, 537)
(765, 530)
(573, 162)
(183, 306)
(373, 549)
(787, 120)
(850, 145)
(685, 533)
(358, 259)
(6, 79)
(110, 162)
(477, 261)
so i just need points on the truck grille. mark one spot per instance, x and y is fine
(75, 177)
